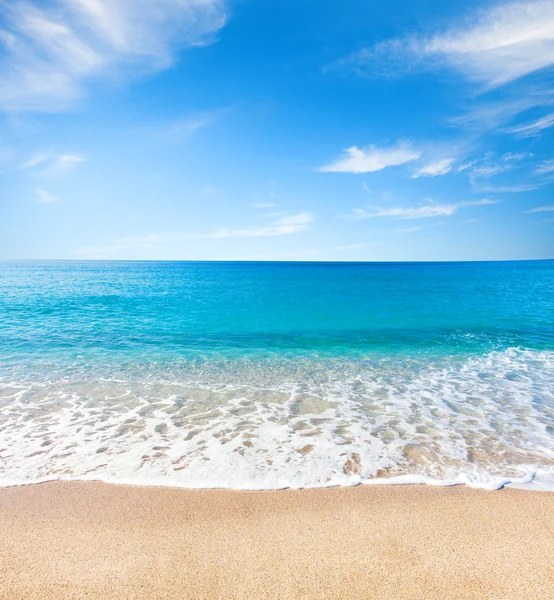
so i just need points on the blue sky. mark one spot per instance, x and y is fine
(276, 130)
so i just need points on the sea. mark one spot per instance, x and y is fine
(269, 375)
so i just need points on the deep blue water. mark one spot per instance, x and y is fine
(154, 309)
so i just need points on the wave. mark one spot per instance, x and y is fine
(485, 421)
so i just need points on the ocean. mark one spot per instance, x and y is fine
(272, 375)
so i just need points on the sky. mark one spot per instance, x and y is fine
(276, 130)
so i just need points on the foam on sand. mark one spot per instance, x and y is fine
(485, 421)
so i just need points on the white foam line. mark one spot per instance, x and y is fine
(540, 481)
(484, 422)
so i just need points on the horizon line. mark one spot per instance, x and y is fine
(179, 260)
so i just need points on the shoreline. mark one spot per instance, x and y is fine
(96, 540)
(540, 480)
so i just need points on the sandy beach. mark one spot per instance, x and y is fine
(93, 540)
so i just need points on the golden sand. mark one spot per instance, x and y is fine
(92, 540)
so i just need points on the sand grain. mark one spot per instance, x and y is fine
(92, 540)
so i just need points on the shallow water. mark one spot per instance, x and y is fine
(269, 375)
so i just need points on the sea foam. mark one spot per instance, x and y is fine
(482, 420)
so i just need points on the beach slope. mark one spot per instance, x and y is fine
(93, 540)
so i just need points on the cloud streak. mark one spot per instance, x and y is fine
(62, 164)
(435, 168)
(533, 129)
(540, 209)
(418, 227)
(183, 128)
(52, 165)
(52, 50)
(487, 115)
(425, 211)
(285, 225)
(371, 159)
(497, 45)
(480, 176)
(33, 161)
(44, 196)
(545, 167)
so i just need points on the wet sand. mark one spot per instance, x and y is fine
(91, 540)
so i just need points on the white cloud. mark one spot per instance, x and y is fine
(33, 161)
(285, 225)
(52, 49)
(418, 227)
(435, 168)
(44, 196)
(184, 128)
(517, 156)
(541, 209)
(546, 167)
(288, 256)
(62, 164)
(52, 164)
(282, 226)
(371, 159)
(418, 212)
(499, 44)
(511, 189)
(466, 165)
(486, 114)
(533, 129)
(480, 176)
(488, 170)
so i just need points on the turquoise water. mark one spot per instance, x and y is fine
(277, 374)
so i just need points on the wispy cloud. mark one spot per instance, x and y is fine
(52, 164)
(44, 196)
(425, 211)
(540, 209)
(545, 167)
(418, 227)
(62, 164)
(371, 159)
(533, 129)
(53, 49)
(488, 170)
(487, 115)
(183, 128)
(34, 160)
(284, 225)
(465, 166)
(480, 176)
(288, 256)
(509, 189)
(517, 156)
(496, 45)
(435, 168)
